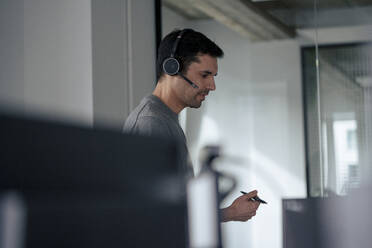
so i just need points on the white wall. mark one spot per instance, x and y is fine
(57, 59)
(124, 53)
(11, 54)
(143, 49)
(46, 59)
(257, 115)
(171, 21)
(110, 68)
(76, 60)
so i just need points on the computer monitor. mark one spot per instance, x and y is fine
(301, 223)
(92, 188)
(337, 221)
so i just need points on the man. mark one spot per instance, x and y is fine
(186, 67)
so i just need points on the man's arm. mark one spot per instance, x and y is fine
(242, 209)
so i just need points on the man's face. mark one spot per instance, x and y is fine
(202, 73)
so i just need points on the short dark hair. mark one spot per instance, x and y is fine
(190, 46)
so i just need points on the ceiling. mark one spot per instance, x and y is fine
(187, 8)
(282, 17)
(309, 4)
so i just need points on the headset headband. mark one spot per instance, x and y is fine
(175, 45)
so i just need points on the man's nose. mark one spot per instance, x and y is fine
(212, 85)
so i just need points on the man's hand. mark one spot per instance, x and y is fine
(242, 209)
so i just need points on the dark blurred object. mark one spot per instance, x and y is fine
(341, 222)
(208, 156)
(92, 188)
(301, 223)
(351, 223)
(12, 220)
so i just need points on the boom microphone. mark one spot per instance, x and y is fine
(188, 80)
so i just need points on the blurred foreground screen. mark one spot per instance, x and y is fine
(65, 186)
(333, 222)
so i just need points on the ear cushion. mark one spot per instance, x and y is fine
(171, 66)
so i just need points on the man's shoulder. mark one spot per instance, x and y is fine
(146, 121)
(147, 109)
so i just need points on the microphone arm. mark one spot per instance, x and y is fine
(188, 80)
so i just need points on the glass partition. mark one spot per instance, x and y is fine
(337, 93)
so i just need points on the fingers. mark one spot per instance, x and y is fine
(248, 217)
(251, 194)
(252, 214)
(256, 204)
(253, 205)
(244, 208)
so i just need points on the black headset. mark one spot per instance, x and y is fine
(171, 65)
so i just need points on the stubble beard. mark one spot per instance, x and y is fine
(194, 102)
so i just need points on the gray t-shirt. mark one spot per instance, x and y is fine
(153, 118)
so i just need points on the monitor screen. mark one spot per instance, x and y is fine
(301, 223)
(336, 221)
